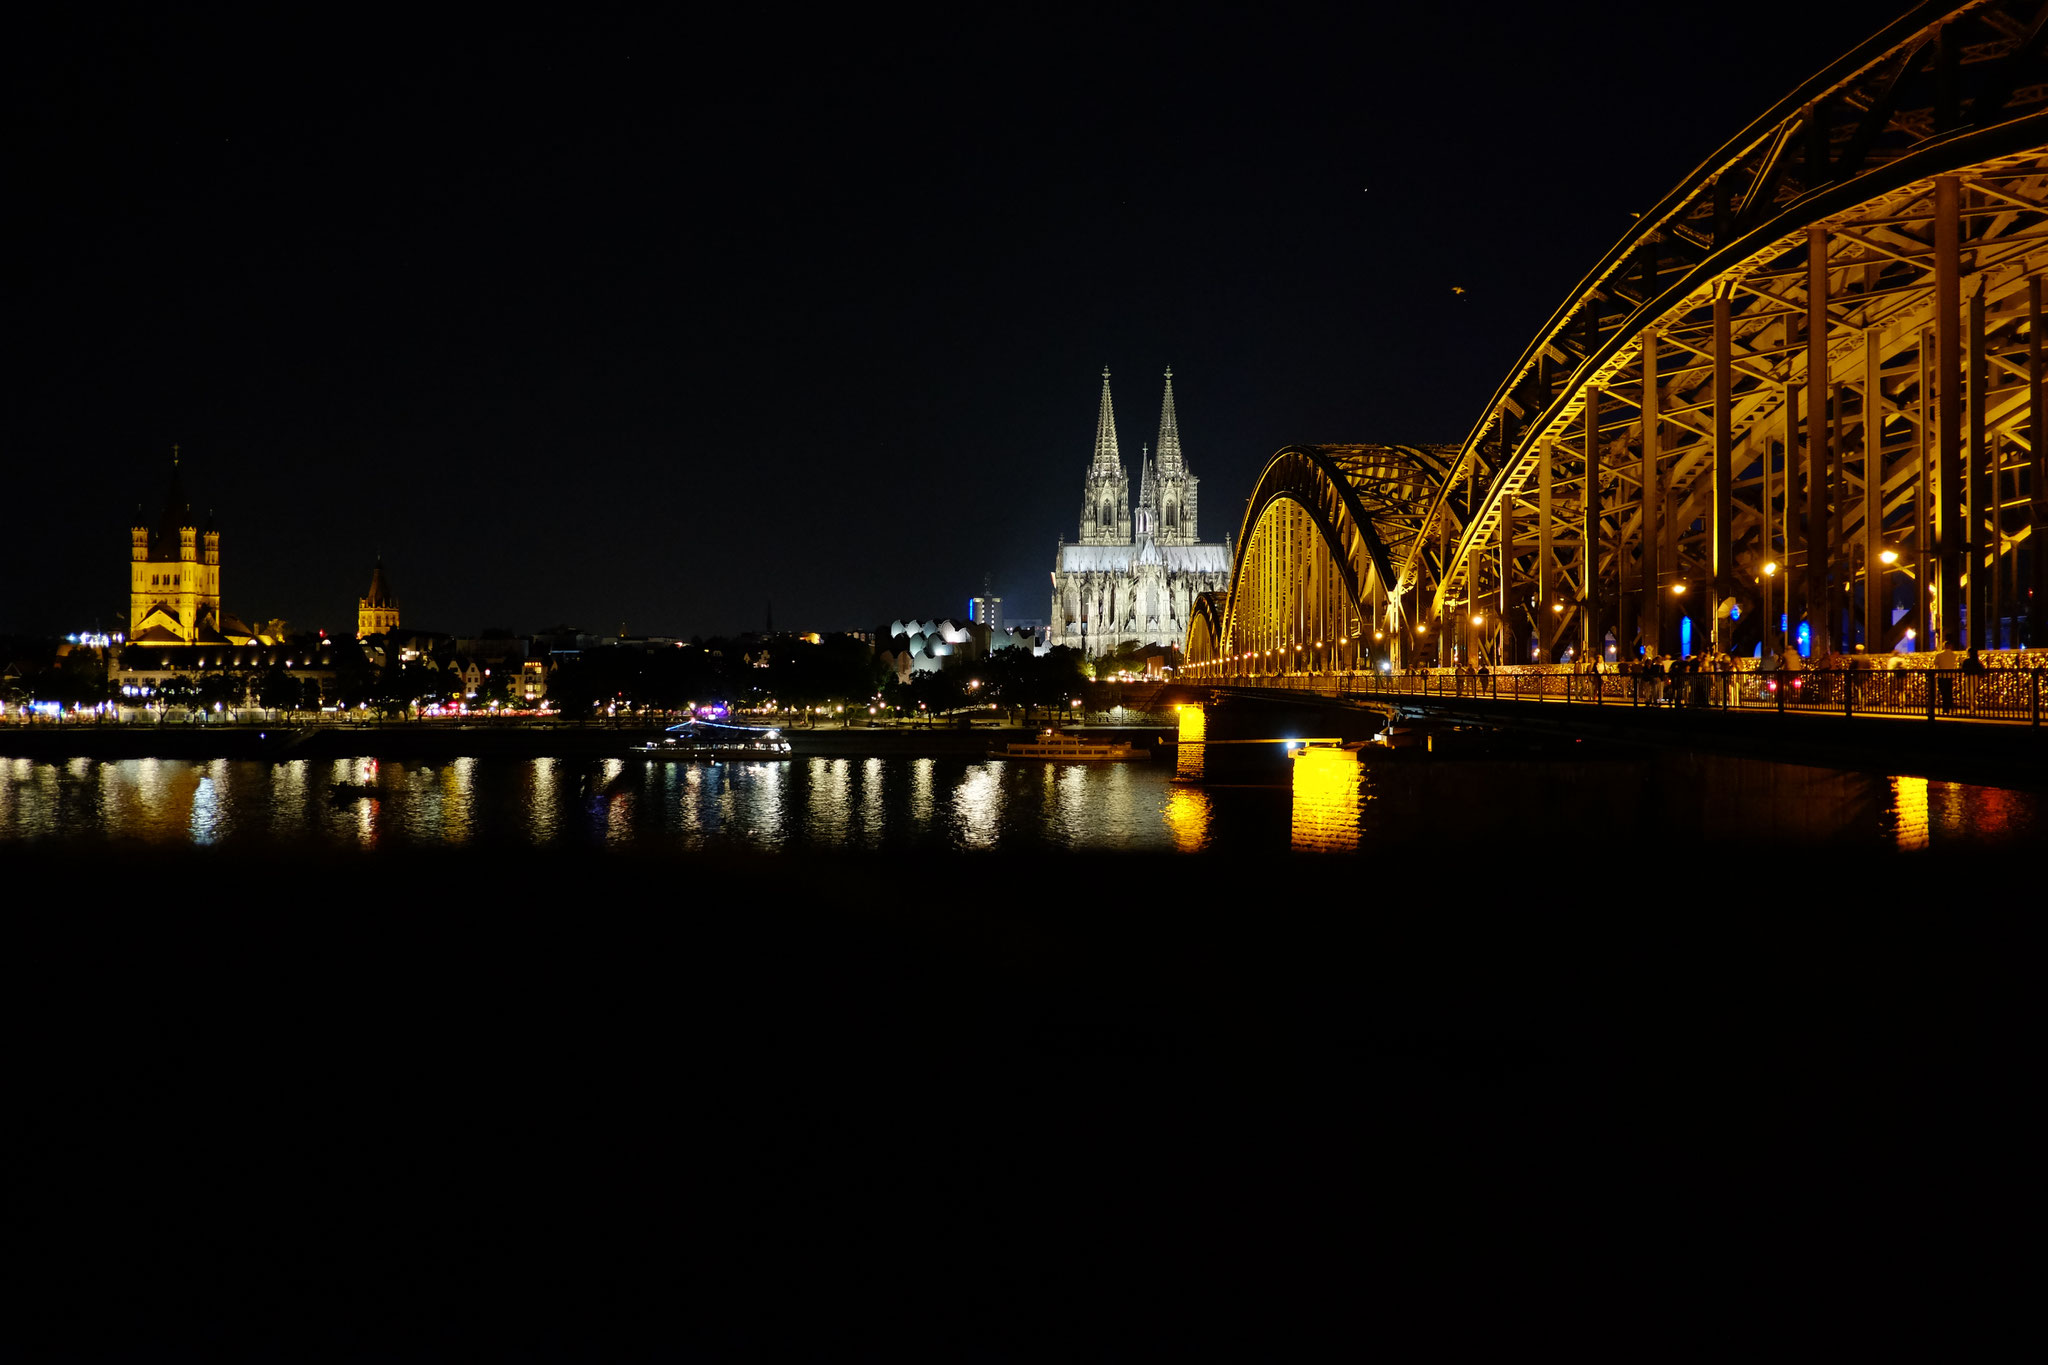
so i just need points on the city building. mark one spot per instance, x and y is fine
(174, 578)
(1134, 576)
(377, 614)
(926, 646)
(986, 610)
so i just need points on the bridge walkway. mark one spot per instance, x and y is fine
(2002, 697)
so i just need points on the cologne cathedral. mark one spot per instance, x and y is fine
(1136, 573)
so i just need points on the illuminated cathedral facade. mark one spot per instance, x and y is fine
(1134, 576)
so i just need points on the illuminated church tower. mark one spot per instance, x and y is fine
(377, 614)
(1134, 577)
(174, 575)
(1175, 489)
(1106, 496)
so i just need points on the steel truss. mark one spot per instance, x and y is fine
(1805, 385)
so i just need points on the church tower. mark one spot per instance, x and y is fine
(174, 574)
(377, 614)
(1176, 488)
(1106, 499)
(1145, 525)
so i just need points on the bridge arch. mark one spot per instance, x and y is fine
(1796, 387)
(1315, 555)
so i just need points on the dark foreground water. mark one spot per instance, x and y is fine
(1326, 800)
(472, 1070)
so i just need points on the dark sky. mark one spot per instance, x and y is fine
(651, 322)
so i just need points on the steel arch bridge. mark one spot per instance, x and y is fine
(1805, 386)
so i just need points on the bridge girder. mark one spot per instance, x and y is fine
(1829, 210)
(1817, 262)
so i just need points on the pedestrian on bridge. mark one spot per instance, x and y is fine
(1945, 676)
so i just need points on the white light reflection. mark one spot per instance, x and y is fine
(978, 806)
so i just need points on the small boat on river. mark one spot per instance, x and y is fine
(1062, 747)
(709, 739)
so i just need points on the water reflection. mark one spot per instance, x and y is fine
(1909, 812)
(1188, 811)
(1327, 800)
(208, 813)
(1336, 801)
(978, 805)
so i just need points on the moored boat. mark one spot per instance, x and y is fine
(1063, 747)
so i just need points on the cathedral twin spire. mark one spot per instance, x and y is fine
(1107, 458)
(1165, 489)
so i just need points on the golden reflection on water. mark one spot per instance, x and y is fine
(1909, 811)
(1327, 802)
(1187, 814)
(1190, 761)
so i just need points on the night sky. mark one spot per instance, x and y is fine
(617, 323)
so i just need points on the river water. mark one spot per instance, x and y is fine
(1324, 801)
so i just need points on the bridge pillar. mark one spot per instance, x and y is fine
(1650, 573)
(1546, 616)
(1814, 540)
(1948, 422)
(1721, 518)
(1977, 492)
(1876, 601)
(1589, 535)
(2037, 504)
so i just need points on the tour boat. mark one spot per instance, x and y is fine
(1066, 748)
(708, 739)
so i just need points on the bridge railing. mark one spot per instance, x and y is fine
(2012, 695)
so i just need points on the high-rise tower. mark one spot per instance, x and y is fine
(1106, 499)
(1176, 487)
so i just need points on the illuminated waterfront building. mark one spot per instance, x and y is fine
(377, 614)
(1134, 576)
(174, 578)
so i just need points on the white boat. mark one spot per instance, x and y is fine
(1062, 747)
(707, 739)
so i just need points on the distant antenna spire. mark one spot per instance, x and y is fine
(1170, 460)
(174, 456)
(1107, 457)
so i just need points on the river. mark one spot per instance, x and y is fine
(1327, 801)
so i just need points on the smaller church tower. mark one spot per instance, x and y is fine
(377, 614)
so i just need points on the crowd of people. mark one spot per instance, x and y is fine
(1713, 679)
